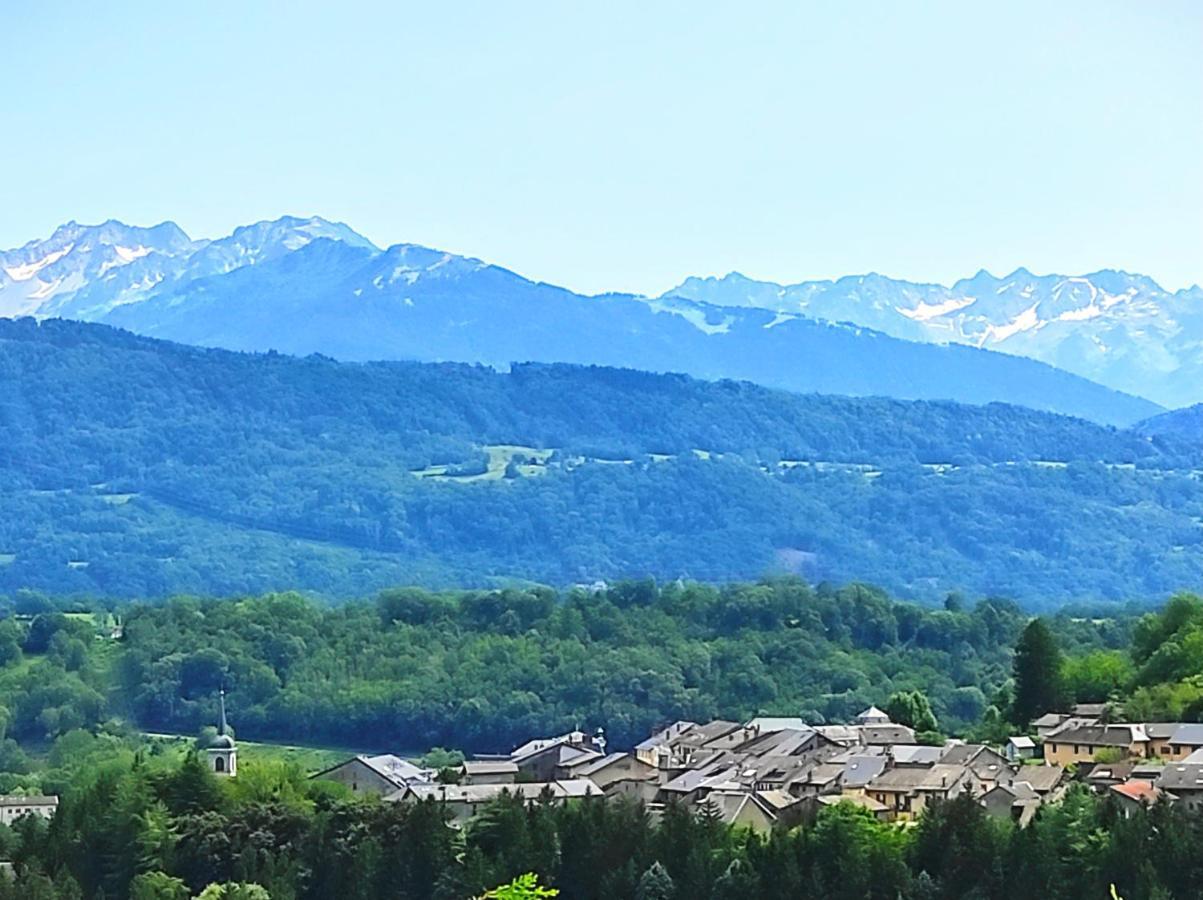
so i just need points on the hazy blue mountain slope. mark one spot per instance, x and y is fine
(135, 467)
(1184, 425)
(413, 303)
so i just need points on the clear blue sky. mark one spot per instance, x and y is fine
(625, 145)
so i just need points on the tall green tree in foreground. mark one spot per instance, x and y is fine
(1039, 685)
(912, 708)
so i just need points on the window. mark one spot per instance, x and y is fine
(219, 764)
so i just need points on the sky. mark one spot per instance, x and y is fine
(624, 146)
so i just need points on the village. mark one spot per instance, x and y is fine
(780, 771)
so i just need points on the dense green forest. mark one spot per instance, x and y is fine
(486, 670)
(136, 468)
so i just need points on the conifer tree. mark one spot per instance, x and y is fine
(1039, 684)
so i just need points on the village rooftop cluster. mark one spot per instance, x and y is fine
(774, 771)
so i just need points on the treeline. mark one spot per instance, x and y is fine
(135, 468)
(486, 670)
(168, 831)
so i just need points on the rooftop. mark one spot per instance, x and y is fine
(1141, 791)
(1181, 777)
(31, 800)
(490, 767)
(1099, 735)
(941, 776)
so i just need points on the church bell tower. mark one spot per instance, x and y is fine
(223, 752)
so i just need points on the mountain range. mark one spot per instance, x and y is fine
(1115, 328)
(1110, 347)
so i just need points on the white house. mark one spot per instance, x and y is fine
(13, 808)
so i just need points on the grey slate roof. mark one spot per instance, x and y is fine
(1098, 735)
(1188, 734)
(1041, 778)
(1179, 777)
(941, 776)
(860, 770)
(915, 754)
(1049, 720)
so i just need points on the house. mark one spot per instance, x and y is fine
(816, 778)
(382, 774)
(785, 807)
(579, 738)
(613, 767)
(987, 766)
(907, 790)
(884, 735)
(1019, 748)
(742, 810)
(1101, 776)
(488, 771)
(872, 716)
(679, 750)
(1184, 781)
(771, 773)
(551, 760)
(843, 735)
(914, 754)
(1049, 722)
(694, 784)
(1045, 780)
(650, 750)
(463, 801)
(14, 807)
(1159, 734)
(769, 724)
(796, 742)
(644, 791)
(1185, 740)
(1093, 711)
(1074, 744)
(859, 771)
(1135, 795)
(1016, 801)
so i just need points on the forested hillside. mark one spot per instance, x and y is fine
(486, 670)
(132, 467)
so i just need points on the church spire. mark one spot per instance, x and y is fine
(222, 728)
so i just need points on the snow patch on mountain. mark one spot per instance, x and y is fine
(695, 315)
(925, 312)
(26, 271)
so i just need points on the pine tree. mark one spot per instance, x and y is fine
(1039, 684)
(655, 884)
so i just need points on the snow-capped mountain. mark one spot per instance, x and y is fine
(302, 286)
(86, 271)
(1116, 328)
(77, 257)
